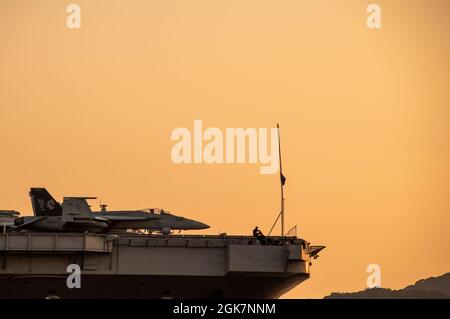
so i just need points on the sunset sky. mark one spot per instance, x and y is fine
(364, 118)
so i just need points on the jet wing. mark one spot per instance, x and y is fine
(9, 213)
(27, 223)
(125, 217)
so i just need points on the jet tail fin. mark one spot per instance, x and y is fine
(43, 203)
(77, 207)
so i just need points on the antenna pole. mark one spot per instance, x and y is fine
(282, 182)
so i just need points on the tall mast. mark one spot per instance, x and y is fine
(282, 181)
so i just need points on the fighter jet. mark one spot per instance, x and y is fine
(150, 219)
(49, 215)
(74, 214)
(7, 218)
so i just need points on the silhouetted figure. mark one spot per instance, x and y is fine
(259, 235)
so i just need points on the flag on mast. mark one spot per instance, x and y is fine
(283, 179)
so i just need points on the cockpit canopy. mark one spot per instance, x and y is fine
(156, 211)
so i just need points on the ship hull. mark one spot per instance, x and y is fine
(141, 266)
(150, 287)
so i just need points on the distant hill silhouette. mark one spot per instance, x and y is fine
(431, 288)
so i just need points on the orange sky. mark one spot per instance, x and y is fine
(364, 118)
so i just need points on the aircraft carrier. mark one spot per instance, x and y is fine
(127, 265)
(69, 251)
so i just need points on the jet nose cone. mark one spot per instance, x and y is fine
(199, 225)
(203, 226)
